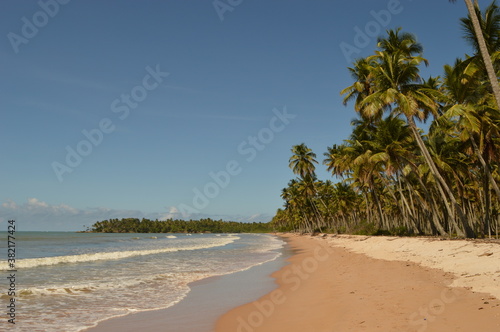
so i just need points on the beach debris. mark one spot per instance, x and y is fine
(362, 239)
(485, 254)
(472, 275)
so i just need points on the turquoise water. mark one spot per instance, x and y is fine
(70, 281)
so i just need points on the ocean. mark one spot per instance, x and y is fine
(70, 281)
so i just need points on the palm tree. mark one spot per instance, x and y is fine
(361, 88)
(474, 14)
(475, 122)
(398, 88)
(297, 207)
(302, 162)
(393, 176)
(394, 148)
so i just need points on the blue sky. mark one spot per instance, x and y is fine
(245, 82)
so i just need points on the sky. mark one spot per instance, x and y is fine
(182, 109)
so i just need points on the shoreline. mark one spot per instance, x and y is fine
(331, 284)
(336, 283)
(207, 300)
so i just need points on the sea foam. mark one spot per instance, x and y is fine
(45, 261)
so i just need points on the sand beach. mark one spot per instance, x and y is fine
(360, 283)
(336, 283)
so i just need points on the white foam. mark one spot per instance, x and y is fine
(46, 261)
(153, 282)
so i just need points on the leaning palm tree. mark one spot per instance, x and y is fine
(469, 109)
(483, 49)
(398, 88)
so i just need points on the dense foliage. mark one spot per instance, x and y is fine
(134, 225)
(395, 177)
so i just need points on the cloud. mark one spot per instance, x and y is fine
(37, 215)
(35, 203)
(9, 204)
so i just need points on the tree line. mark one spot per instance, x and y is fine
(394, 177)
(134, 225)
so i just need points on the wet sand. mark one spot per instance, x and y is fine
(329, 287)
(208, 299)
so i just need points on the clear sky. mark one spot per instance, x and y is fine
(185, 109)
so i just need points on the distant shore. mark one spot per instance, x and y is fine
(361, 283)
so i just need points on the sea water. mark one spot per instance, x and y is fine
(70, 281)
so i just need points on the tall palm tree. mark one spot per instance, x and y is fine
(475, 121)
(302, 162)
(473, 9)
(398, 88)
(361, 88)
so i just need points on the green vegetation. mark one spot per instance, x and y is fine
(134, 225)
(395, 177)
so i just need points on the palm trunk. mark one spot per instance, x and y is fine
(320, 221)
(367, 206)
(382, 223)
(487, 207)
(485, 165)
(415, 211)
(412, 220)
(484, 52)
(435, 172)
(434, 210)
(392, 194)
